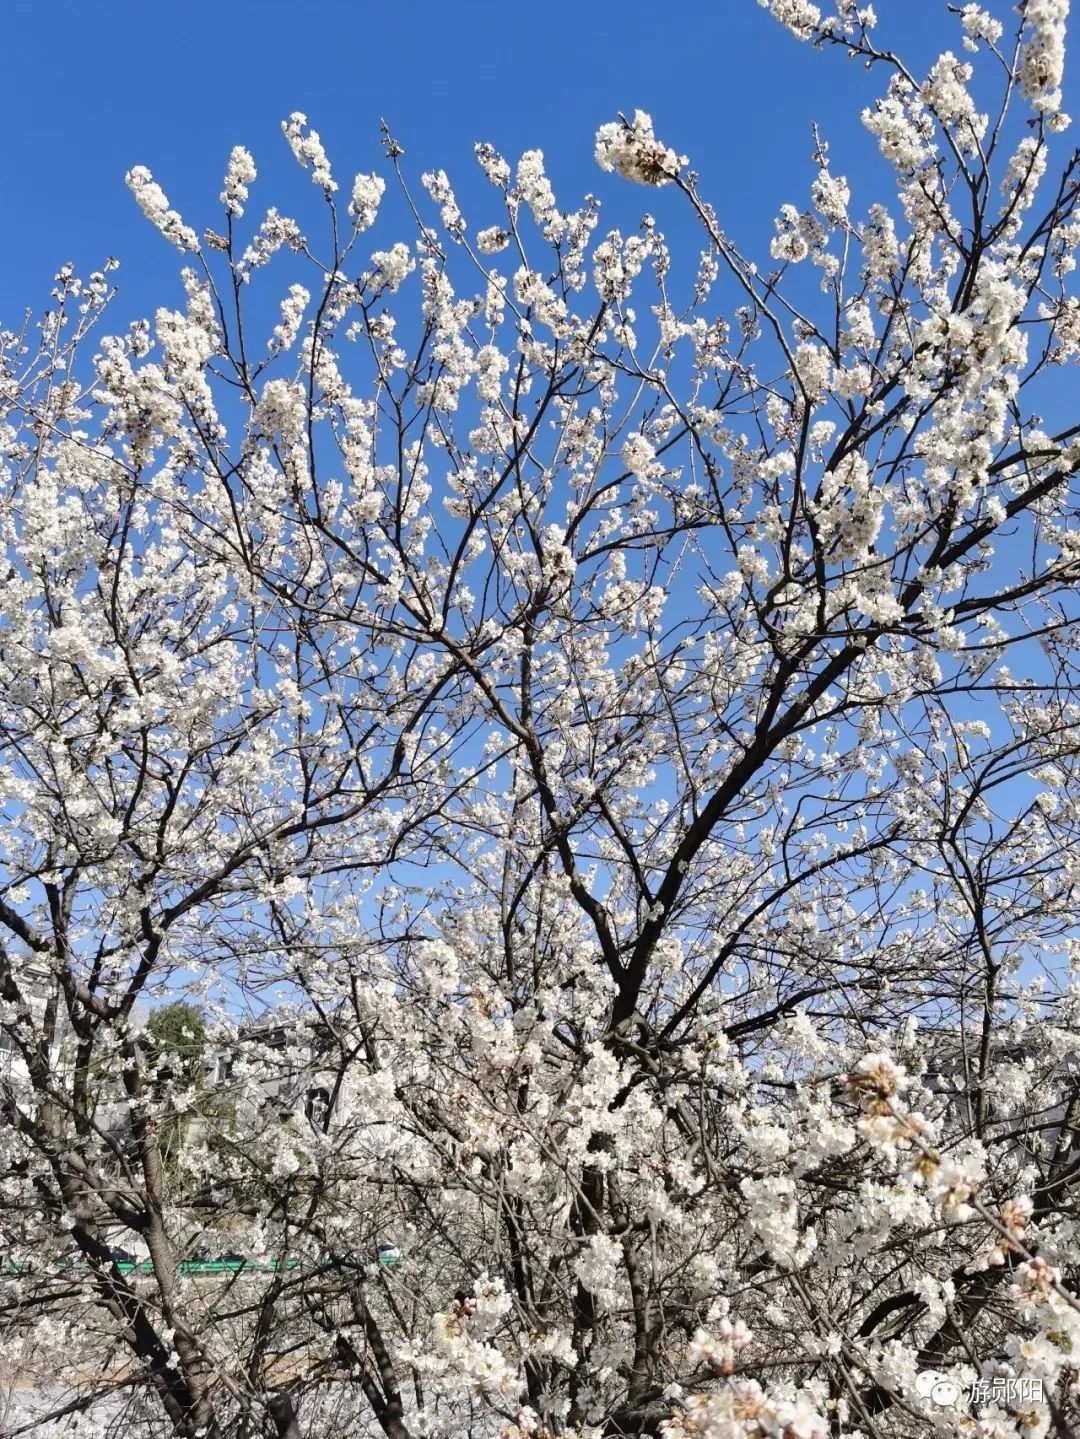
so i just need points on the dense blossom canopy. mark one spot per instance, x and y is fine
(597, 753)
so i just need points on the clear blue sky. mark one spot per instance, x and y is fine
(96, 88)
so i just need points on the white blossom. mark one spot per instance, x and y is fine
(308, 149)
(631, 150)
(367, 192)
(238, 176)
(154, 204)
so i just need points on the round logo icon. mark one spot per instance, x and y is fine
(930, 1384)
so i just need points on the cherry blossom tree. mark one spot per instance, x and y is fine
(617, 736)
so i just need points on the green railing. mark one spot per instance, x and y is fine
(387, 1259)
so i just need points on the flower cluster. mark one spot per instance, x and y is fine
(367, 192)
(799, 16)
(630, 149)
(153, 202)
(238, 176)
(308, 149)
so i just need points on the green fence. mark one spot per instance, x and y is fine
(387, 1259)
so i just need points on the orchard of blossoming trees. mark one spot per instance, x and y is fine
(622, 731)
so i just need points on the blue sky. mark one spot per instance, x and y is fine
(95, 88)
(98, 88)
